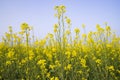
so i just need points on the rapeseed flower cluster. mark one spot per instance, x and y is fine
(60, 55)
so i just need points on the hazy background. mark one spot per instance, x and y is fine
(40, 14)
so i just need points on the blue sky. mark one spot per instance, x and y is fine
(40, 14)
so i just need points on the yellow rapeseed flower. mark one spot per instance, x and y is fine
(83, 62)
(42, 42)
(8, 62)
(52, 67)
(31, 55)
(98, 61)
(84, 35)
(23, 61)
(54, 78)
(118, 71)
(41, 62)
(24, 26)
(74, 53)
(54, 49)
(108, 45)
(107, 28)
(98, 27)
(50, 35)
(68, 32)
(10, 54)
(110, 68)
(55, 25)
(80, 72)
(84, 79)
(49, 56)
(68, 21)
(77, 30)
(57, 63)
(62, 7)
(68, 54)
(55, 30)
(48, 75)
(68, 67)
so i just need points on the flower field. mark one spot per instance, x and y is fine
(60, 55)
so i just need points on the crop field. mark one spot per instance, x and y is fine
(60, 55)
